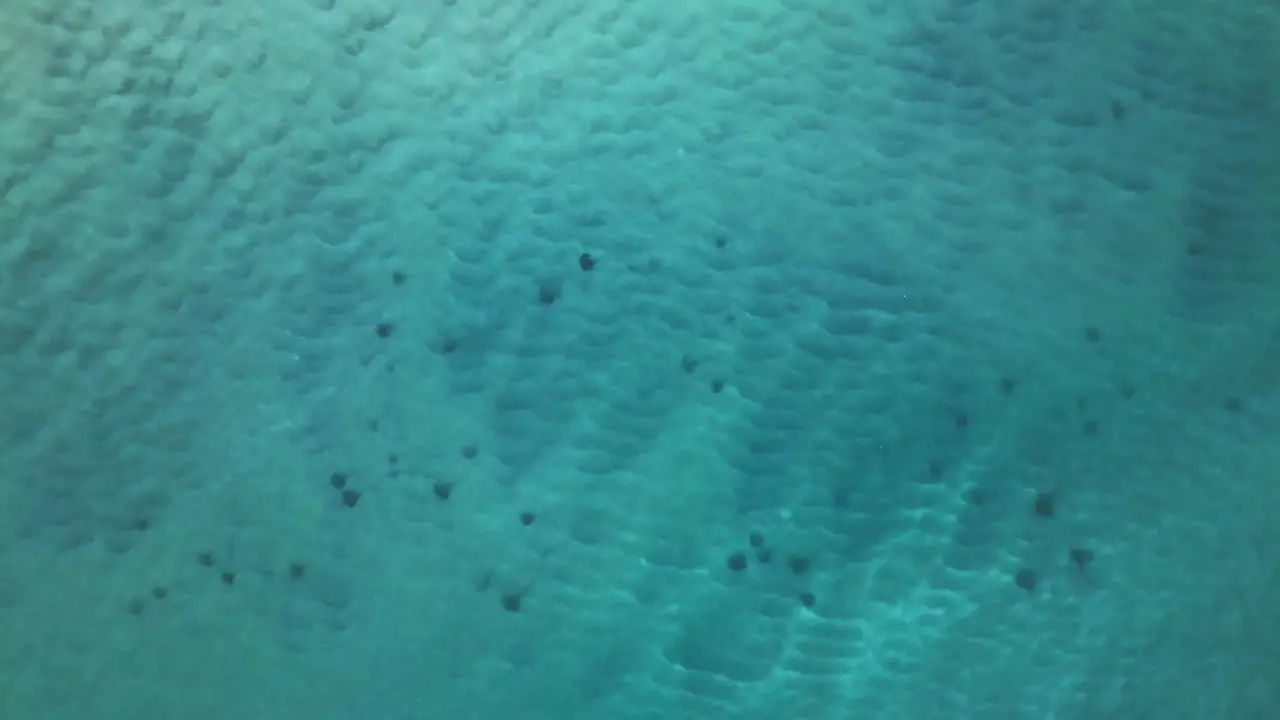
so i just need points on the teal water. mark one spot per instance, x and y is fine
(750, 359)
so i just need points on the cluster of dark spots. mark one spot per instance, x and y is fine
(340, 481)
(1086, 417)
(1045, 506)
(799, 565)
(206, 559)
(550, 290)
(137, 605)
